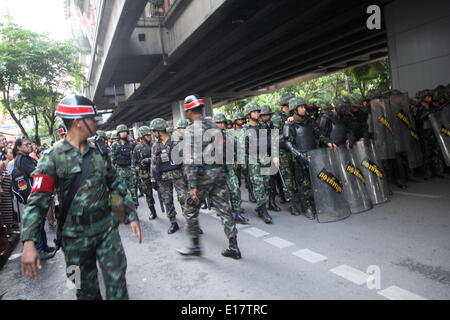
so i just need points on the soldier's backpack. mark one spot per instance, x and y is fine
(21, 182)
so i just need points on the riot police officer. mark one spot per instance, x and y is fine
(334, 124)
(142, 157)
(121, 156)
(301, 135)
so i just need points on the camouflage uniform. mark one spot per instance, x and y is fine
(121, 155)
(286, 160)
(90, 232)
(210, 181)
(168, 178)
(141, 158)
(301, 166)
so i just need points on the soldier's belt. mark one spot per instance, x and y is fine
(90, 218)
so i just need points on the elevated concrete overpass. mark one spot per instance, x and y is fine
(149, 57)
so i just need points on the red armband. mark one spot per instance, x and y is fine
(43, 183)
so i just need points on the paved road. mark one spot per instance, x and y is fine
(406, 241)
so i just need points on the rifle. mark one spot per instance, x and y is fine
(160, 201)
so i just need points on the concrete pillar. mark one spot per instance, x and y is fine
(419, 44)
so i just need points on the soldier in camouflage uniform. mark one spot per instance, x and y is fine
(232, 179)
(167, 173)
(254, 162)
(274, 180)
(432, 157)
(89, 233)
(301, 135)
(180, 128)
(205, 180)
(121, 156)
(239, 120)
(142, 157)
(286, 160)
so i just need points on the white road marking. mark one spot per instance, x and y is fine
(241, 226)
(351, 274)
(396, 293)
(310, 256)
(430, 196)
(278, 242)
(15, 256)
(256, 232)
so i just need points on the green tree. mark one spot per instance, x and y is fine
(35, 72)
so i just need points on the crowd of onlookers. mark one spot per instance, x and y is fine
(22, 154)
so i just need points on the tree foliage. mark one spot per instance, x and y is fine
(321, 91)
(35, 72)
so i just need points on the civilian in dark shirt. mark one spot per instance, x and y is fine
(22, 149)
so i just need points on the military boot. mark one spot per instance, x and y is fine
(173, 228)
(232, 251)
(194, 250)
(153, 214)
(251, 196)
(294, 211)
(282, 198)
(238, 218)
(263, 214)
(272, 204)
(309, 213)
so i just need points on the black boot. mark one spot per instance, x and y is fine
(272, 204)
(238, 218)
(173, 228)
(282, 198)
(309, 213)
(194, 250)
(251, 196)
(153, 214)
(294, 211)
(263, 214)
(232, 251)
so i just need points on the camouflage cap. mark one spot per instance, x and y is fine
(250, 107)
(285, 98)
(295, 102)
(229, 122)
(158, 124)
(219, 117)
(102, 134)
(238, 116)
(169, 130)
(341, 103)
(265, 110)
(121, 128)
(182, 124)
(144, 131)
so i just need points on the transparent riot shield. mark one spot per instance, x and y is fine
(327, 188)
(442, 133)
(376, 181)
(382, 129)
(354, 181)
(399, 111)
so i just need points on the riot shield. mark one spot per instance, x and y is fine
(442, 133)
(354, 181)
(327, 188)
(399, 109)
(376, 183)
(382, 129)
